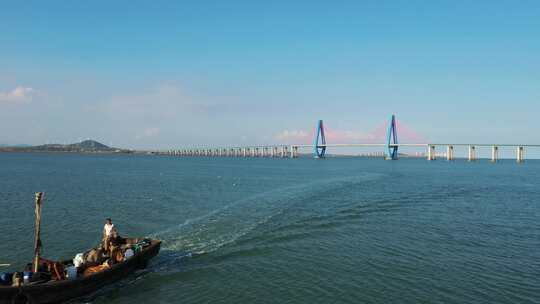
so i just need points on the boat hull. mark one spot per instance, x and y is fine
(59, 291)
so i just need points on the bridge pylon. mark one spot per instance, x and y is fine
(319, 150)
(391, 138)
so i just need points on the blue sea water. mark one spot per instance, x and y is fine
(342, 230)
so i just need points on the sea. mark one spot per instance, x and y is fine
(260, 230)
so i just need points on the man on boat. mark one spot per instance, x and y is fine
(107, 233)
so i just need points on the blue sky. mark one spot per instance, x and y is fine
(153, 74)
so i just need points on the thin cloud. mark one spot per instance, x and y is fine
(18, 95)
(288, 136)
(336, 136)
(148, 132)
(155, 104)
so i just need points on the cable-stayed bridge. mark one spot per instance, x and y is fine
(389, 149)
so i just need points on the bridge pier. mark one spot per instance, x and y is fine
(520, 153)
(494, 154)
(472, 153)
(294, 151)
(450, 153)
(431, 152)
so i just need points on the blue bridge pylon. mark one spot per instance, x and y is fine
(319, 150)
(392, 139)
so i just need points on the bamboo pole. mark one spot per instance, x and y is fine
(37, 243)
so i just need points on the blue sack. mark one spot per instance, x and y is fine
(5, 278)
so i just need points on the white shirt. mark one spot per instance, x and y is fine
(108, 229)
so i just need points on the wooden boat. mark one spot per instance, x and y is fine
(62, 290)
(58, 291)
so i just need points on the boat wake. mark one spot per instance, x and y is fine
(225, 225)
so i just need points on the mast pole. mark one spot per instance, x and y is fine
(37, 243)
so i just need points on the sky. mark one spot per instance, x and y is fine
(171, 74)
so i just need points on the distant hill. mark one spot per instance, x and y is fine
(15, 146)
(91, 144)
(87, 146)
(84, 146)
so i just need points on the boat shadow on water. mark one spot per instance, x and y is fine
(167, 262)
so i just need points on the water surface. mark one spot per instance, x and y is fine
(344, 230)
